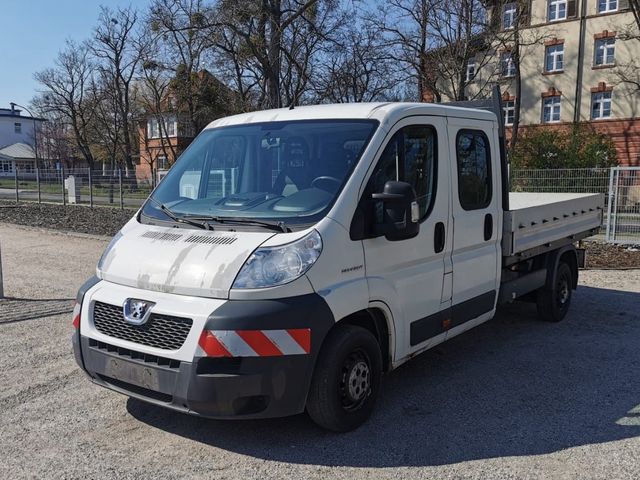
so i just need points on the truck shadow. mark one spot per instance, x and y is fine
(511, 387)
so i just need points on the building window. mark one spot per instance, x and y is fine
(600, 105)
(557, 10)
(471, 70)
(17, 127)
(554, 58)
(170, 126)
(6, 166)
(507, 65)
(153, 128)
(161, 162)
(551, 109)
(605, 51)
(509, 109)
(474, 169)
(605, 6)
(509, 15)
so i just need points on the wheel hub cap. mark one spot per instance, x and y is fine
(358, 381)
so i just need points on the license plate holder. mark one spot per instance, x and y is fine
(133, 373)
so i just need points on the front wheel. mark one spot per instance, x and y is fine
(346, 380)
(553, 303)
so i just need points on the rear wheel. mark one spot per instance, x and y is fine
(346, 380)
(553, 302)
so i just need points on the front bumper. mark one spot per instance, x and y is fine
(218, 387)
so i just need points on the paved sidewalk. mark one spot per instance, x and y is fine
(513, 398)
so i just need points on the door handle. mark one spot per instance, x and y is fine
(439, 237)
(488, 227)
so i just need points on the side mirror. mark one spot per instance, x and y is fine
(400, 211)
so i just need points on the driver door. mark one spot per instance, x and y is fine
(408, 275)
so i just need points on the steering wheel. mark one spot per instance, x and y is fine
(332, 183)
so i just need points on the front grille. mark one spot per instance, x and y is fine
(160, 331)
(139, 357)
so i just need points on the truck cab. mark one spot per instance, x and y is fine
(292, 256)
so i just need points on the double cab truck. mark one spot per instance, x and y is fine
(290, 257)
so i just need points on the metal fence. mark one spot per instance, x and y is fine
(623, 210)
(576, 180)
(621, 186)
(78, 186)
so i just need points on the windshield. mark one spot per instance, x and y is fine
(281, 171)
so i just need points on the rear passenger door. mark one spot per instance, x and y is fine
(476, 219)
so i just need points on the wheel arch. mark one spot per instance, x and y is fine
(376, 320)
(566, 254)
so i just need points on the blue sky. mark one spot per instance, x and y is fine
(33, 31)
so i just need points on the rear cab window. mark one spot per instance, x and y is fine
(473, 156)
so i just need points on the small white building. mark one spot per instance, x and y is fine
(20, 156)
(17, 141)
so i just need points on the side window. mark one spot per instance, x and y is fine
(410, 156)
(474, 169)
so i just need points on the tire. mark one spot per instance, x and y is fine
(346, 380)
(553, 303)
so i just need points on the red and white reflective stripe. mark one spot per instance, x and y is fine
(254, 343)
(76, 316)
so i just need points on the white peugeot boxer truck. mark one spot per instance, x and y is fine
(292, 256)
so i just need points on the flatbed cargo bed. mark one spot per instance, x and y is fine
(536, 220)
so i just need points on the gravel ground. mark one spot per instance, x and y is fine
(513, 398)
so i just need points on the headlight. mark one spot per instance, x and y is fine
(271, 266)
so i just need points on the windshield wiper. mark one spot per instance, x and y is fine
(181, 218)
(280, 225)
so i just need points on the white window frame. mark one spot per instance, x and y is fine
(556, 54)
(509, 110)
(170, 126)
(471, 70)
(162, 159)
(602, 99)
(507, 67)
(608, 6)
(608, 47)
(553, 10)
(17, 127)
(153, 128)
(553, 106)
(509, 15)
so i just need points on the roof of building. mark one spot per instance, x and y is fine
(386, 113)
(18, 150)
(15, 113)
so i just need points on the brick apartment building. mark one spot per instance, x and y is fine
(572, 72)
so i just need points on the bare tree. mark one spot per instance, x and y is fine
(184, 44)
(405, 25)
(517, 41)
(358, 68)
(262, 27)
(118, 57)
(66, 94)
(460, 37)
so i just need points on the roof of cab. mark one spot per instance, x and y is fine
(385, 113)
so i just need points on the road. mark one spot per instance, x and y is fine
(513, 398)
